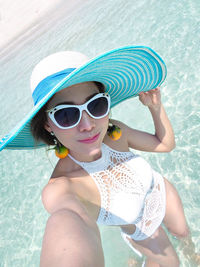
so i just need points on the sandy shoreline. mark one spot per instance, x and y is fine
(20, 23)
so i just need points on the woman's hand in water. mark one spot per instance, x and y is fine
(151, 99)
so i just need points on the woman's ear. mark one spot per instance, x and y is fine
(47, 127)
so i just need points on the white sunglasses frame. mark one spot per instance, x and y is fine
(81, 108)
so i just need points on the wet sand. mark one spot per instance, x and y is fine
(20, 23)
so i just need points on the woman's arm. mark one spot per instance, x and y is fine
(71, 237)
(163, 139)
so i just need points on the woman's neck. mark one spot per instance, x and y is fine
(83, 157)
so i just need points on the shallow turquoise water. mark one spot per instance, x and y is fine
(172, 29)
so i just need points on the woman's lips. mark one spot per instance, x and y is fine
(90, 140)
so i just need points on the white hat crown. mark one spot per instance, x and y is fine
(54, 63)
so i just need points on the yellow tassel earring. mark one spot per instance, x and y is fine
(114, 132)
(60, 150)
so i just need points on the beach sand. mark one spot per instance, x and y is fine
(22, 20)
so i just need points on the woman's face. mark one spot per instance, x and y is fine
(84, 140)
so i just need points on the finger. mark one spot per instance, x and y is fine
(156, 89)
(141, 96)
(151, 91)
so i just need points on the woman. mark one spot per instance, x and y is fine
(97, 178)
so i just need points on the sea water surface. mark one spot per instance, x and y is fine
(172, 29)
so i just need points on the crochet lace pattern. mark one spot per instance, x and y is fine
(131, 192)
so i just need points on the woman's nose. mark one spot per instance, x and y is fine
(86, 123)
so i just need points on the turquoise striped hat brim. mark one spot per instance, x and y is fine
(125, 72)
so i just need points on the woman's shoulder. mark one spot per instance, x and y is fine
(53, 191)
(65, 168)
(60, 180)
(120, 144)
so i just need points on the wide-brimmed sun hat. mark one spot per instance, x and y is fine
(125, 72)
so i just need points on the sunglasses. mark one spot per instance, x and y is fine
(68, 116)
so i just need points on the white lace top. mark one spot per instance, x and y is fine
(131, 191)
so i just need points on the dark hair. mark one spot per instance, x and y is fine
(100, 86)
(37, 124)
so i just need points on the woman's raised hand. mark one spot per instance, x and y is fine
(151, 99)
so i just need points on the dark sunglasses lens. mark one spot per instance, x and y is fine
(67, 117)
(98, 107)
